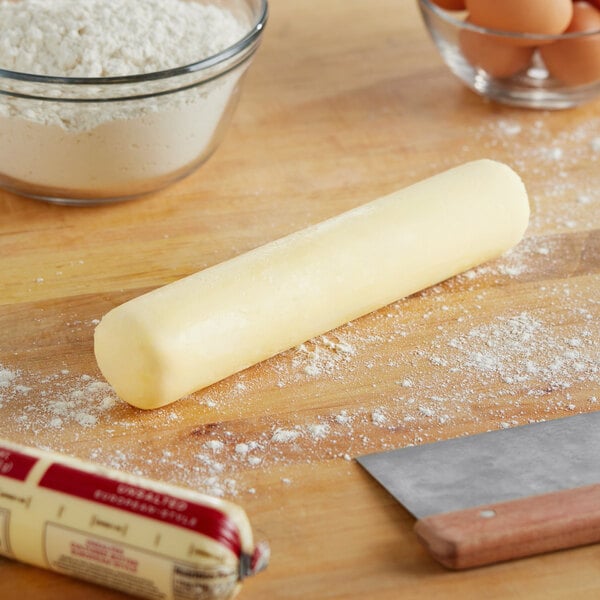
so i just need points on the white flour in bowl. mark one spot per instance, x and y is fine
(106, 38)
(110, 148)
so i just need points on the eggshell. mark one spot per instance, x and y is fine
(494, 55)
(548, 17)
(576, 61)
(450, 4)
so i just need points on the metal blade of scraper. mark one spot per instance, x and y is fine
(500, 495)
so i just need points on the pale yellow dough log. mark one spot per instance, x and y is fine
(191, 333)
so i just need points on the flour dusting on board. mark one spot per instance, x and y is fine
(530, 359)
(482, 357)
(53, 401)
(553, 181)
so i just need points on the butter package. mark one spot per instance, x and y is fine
(148, 539)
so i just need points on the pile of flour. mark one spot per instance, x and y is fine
(106, 38)
(113, 148)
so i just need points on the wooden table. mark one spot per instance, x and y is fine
(346, 101)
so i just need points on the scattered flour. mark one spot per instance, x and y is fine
(509, 128)
(322, 355)
(523, 349)
(242, 448)
(285, 436)
(215, 445)
(378, 417)
(343, 418)
(319, 430)
(53, 401)
(6, 377)
(548, 160)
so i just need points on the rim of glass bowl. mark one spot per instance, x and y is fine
(534, 37)
(206, 63)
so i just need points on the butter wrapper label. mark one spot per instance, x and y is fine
(15, 465)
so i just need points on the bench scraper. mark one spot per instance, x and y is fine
(500, 495)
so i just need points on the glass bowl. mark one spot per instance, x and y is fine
(82, 141)
(509, 67)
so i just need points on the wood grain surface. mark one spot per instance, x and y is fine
(346, 101)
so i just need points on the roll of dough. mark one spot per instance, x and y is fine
(189, 334)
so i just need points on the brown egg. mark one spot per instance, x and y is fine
(493, 54)
(451, 4)
(548, 17)
(576, 61)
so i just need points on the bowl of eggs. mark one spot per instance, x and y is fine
(534, 53)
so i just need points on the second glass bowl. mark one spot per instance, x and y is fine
(509, 67)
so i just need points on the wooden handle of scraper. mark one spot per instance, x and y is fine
(497, 532)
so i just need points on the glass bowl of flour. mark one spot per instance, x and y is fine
(106, 100)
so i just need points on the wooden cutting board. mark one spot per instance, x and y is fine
(346, 101)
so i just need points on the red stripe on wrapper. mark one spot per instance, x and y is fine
(15, 464)
(144, 502)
